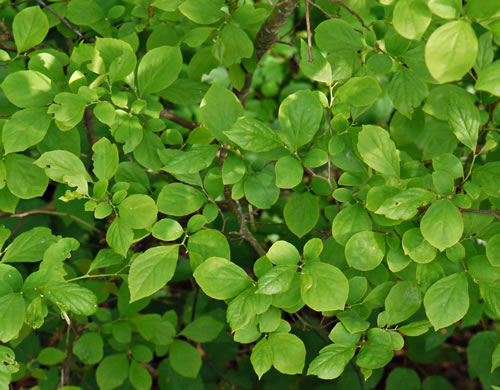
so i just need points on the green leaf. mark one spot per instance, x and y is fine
(28, 88)
(403, 378)
(447, 9)
(105, 159)
(241, 310)
(233, 45)
(209, 243)
(359, 91)
(179, 162)
(203, 329)
(120, 236)
(24, 179)
(488, 79)
(112, 371)
(403, 301)
(178, 199)
(84, 12)
(351, 220)
(319, 69)
(118, 57)
(378, 150)
(336, 35)
(152, 270)
(405, 204)
(442, 225)
(277, 280)
(253, 135)
(206, 13)
(302, 214)
(451, 51)
(72, 297)
(167, 230)
(139, 376)
(300, 116)
(407, 91)
(331, 361)
(24, 129)
(323, 287)
(151, 74)
(463, 117)
(289, 172)
(374, 355)
(30, 27)
(289, 353)
(64, 167)
(283, 253)
(89, 348)
(447, 300)
(493, 250)
(260, 189)
(139, 211)
(219, 110)
(365, 250)
(221, 279)
(29, 246)
(11, 316)
(233, 170)
(415, 246)
(185, 359)
(411, 18)
(262, 357)
(10, 280)
(51, 356)
(68, 110)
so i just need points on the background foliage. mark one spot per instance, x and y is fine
(249, 194)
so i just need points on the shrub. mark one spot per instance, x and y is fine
(250, 194)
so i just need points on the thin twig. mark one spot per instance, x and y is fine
(495, 213)
(66, 23)
(177, 119)
(244, 232)
(308, 26)
(50, 210)
(351, 11)
(328, 15)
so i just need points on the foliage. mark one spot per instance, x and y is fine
(228, 193)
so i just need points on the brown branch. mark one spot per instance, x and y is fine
(244, 232)
(321, 10)
(89, 126)
(266, 38)
(351, 11)
(64, 21)
(495, 213)
(308, 26)
(50, 210)
(177, 119)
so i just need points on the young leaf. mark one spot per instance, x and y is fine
(151, 74)
(289, 353)
(403, 301)
(179, 199)
(323, 287)
(152, 270)
(447, 300)
(30, 27)
(463, 117)
(302, 214)
(451, 51)
(411, 18)
(221, 279)
(378, 150)
(185, 359)
(262, 357)
(442, 225)
(300, 116)
(331, 361)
